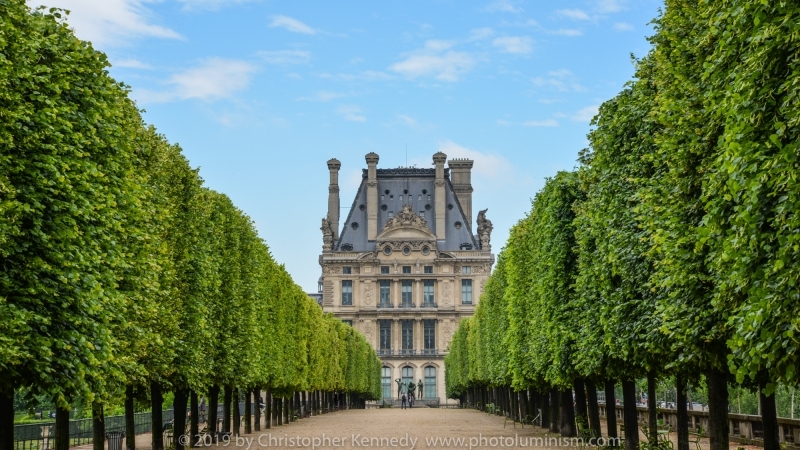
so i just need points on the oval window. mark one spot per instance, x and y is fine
(426, 250)
(406, 251)
(387, 251)
(354, 225)
(458, 225)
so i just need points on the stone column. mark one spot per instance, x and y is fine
(333, 196)
(372, 196)
(439, 192)
(417, 292)
(396, 295)
(396, 333)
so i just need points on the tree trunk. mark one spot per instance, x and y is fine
(554, 412)
(227, 397)
(769, 418)
(630, 415)
(594, 410)
(194, 418)
(683, 413)
(98, 426)
(545, 406)
(257, 411)
(567, 414)
(62, 429)
(213, 407)
(652, 408)
(7, 420)
(581, 412)
(611, 413)
(130, 420)
(717, 409)
(156, 400)
(179, 416)
(268, 411)
(237, 418)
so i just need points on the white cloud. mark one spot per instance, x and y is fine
(541, 123)
(514, 44)
(488, 165)
(131, 64)
(367, 75)
(110, 22)
(444, 66)
(352, 113)
(609, 6)
(479, 34)
(622, 26)
(567, 32)
(586, 114)
(209, 5)
(503, 6)
(213, 79)
(285, 56)
(407, 120)
(575, 14)
(290, 24)
(562, 80)
(323, 96)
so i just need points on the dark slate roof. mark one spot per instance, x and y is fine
(405, 186)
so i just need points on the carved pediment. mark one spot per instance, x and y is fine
(406, 225)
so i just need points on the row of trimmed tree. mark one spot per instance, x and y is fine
(673, 250)
(122, 275)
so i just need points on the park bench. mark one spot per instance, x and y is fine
(695, 436)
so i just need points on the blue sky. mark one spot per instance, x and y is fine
(260, 94)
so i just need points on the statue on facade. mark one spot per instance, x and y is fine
(484, 230)
(405, 218)
(411, 387)
(327, 235)
(419, 388)
(399, 387)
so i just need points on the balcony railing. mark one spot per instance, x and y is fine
(385, 352)
(385, 305)
(429, 305)
(430, 351)
(407, 351)
(406, 305)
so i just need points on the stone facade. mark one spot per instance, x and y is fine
(408, 277)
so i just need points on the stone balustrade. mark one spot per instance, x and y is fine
(744, 429)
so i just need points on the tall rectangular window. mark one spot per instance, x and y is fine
(430, 382)
(407, 334)
(385, 292)
(466, 270)
(347, 292)
(347, 270)
(466, 292)
(428, 298)
(408, 300)
(406, 269)
(386, 383)
(428, 269)
(386, 333)
(429, 334)
(384, 269)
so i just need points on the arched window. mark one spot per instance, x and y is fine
(408, 376)
(430, 382)
(386, 382)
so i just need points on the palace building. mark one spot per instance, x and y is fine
(405, 266)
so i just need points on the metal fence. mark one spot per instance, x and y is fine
(41, 436)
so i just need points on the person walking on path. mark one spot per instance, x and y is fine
(202, 409)
(403, 401)
(410, 400)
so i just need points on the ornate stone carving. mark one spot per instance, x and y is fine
(368, 293)
(484, 230)
(330, 270)
(406, 218)
(445, 293)
(327, 235)
(448, 333)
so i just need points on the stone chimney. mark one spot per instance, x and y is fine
(372, 195)
(333, 196)
(438, 160)
(461, 177)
